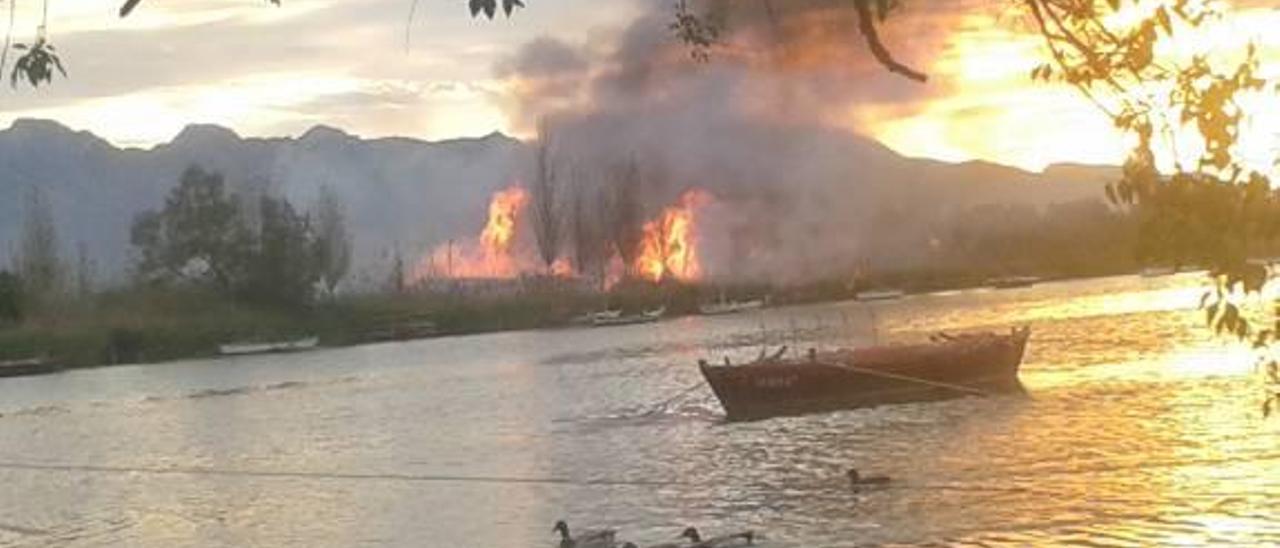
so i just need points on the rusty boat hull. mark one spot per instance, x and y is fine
(949, 367)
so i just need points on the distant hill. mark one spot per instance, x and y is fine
(414, 194)
(397, 191)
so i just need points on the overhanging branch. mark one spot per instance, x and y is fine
(867, 24)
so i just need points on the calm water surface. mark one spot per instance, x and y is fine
(1138, 429)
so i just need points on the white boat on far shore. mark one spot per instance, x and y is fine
(610, 319)
(244, 349)
(879, 295)
(1157, 271)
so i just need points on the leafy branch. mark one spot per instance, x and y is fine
(36, 66)
(1212, 212)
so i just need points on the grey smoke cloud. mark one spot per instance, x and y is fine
(797, 190)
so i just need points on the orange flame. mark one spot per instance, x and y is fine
(490, 257)
(562, 268)
(669, 247)
(504, 210)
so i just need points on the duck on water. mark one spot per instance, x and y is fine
(744, 538)
(603, 538)
(859, 481)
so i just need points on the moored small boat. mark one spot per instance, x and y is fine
(879, 295)
(243, 349)
(947, 367)
(1157, 271)
(28, 366)
(611, 319)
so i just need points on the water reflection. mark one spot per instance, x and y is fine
(1138, 428)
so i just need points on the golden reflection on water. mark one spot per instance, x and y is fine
(1139, 428)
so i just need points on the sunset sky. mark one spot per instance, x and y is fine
(365, 68)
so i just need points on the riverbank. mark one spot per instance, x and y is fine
(149, 325)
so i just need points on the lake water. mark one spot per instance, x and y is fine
(1138, 428)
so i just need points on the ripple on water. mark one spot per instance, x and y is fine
(1137, 429)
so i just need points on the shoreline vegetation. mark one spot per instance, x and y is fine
(213, 267)
(146, 325)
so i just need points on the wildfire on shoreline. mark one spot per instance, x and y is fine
(669, 247)
(490, 256)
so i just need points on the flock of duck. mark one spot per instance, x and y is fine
(606, 538)
(691, 538)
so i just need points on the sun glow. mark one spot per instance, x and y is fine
(988, 107)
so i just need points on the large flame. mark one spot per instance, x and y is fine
(490, 256)
(504, 211)
(669, 247)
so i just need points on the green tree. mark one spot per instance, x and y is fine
(202, 236)
(282, 269)
(199, 236)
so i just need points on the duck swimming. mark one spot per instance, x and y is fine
(663, 545)
(589, 539)
(858, 480)
(745, 538)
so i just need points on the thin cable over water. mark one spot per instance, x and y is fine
(288, 474)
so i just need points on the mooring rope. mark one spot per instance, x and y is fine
(663, 405)
(907, 378)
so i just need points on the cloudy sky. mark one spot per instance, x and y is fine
(367, 68)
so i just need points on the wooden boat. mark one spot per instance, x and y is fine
(1010, 282)
(28, 366)
(730, 307)
(947, 367)
(612, 319)
(879, 295)
(244, 349)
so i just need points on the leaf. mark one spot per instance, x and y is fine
(1162, 16)
(128, 6)
(58, 63)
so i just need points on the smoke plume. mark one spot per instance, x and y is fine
(766, 127)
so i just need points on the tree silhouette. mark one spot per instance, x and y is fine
(199, 235)
(548, 218)
(625, 218)
(40, 263)
(333, 242)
